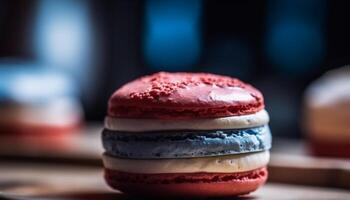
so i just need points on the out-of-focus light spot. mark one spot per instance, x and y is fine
(310, 11)
(31, 83)
(62, 35)
(63, 43)
(172, 34)
(29, 86)
(295, 40)
(295, 46)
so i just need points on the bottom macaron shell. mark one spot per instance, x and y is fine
(186, 184)
(329, 148)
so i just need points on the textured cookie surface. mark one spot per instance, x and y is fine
(184, 95)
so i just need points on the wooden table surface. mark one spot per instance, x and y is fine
(54, 181)
(76, 173)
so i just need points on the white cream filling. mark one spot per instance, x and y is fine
(138, 125)
(59, 113)
(220, 164)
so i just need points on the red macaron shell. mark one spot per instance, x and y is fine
(184, 95)
(186, 184)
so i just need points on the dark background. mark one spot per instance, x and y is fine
(279, 46)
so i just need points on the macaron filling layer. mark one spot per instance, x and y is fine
(185, 144)
(234, 122)
(220, 164)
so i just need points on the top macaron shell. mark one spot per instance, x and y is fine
(184, 95)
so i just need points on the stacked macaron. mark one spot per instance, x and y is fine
(327, 114)
(38, 105)
(186, 134)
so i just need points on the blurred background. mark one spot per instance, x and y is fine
(60, 60)
(279, 46)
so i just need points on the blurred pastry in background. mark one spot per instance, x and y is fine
(38, 106)
(327, 114)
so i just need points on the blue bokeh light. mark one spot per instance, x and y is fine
(172, 34)
(26, 82)
(295, 46)
(63, 35)
(295, 38)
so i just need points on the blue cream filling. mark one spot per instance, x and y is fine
(186, 144)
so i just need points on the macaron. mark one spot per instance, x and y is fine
(186, 135)
(327, 114)
(38, 105)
